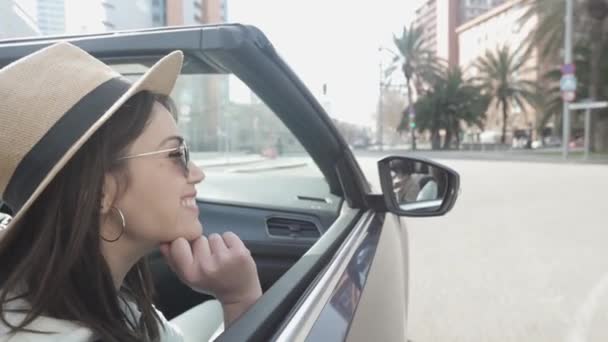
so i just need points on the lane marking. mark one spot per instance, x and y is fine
(579, 330)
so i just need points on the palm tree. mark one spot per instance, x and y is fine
(598, 12)
(548, 34)
(418, 64)
(450, 101)
(466, 104)
(497, 72)
(589, 28)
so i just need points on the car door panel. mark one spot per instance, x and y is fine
(362, 294)
(276, 307)
(273, 255)
(381, 313)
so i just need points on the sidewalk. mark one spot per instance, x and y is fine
(273, 164)
(218, 159)
(540, 156)
(245, 163)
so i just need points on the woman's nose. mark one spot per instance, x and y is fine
(196, 174)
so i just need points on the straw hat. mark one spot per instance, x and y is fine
(51, 103)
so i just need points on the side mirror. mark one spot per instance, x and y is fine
(417, 187)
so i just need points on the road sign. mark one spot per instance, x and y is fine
(568, 83)
(588, 105)
(568, 96)
(569, 68)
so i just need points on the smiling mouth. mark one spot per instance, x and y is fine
(189, 203)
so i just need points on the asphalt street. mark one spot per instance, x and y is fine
(522, 256)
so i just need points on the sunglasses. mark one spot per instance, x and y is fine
(181, 152)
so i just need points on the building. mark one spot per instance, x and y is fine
(50, 16)
(471, 9)
(438, 20)
(460, 31)
(126, 15)
(205, 129)
(195, 12)
(426, 18)
(17, 19)
(496, 28)
(214, 11)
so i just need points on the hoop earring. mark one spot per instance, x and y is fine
(123, 222)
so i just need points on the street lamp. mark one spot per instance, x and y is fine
(567, 61)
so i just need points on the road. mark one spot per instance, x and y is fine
(522, 256)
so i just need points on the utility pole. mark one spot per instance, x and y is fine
(567, 61)
(380, 124)
(412, 114)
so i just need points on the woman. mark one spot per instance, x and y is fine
(405, 181)
(97, 176)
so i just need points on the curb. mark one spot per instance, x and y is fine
(268, 168)
(221, 164)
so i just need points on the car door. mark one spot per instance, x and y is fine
(331, 257)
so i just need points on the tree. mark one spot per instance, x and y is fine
(450, 101)
(548, 33)
(590, 32)
(497, 76)
(418, 64)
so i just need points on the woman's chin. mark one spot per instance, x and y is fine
(193, 231)
(189, 230)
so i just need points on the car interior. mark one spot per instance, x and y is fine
(293, 231)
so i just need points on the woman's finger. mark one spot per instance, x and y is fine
(233, 241)
(217, 244)
(165, 250)
(201, 250)
(182, 258)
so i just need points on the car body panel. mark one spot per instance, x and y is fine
(382, 311)
(362, 295)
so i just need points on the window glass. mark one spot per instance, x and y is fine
(247, 153)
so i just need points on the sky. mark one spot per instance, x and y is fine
(332, 42)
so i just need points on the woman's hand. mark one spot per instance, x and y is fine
(221, 265)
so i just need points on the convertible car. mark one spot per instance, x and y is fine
(331, 252)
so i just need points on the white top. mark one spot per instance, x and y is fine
(70, 331)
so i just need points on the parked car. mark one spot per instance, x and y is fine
(551, 141)
(332, 254)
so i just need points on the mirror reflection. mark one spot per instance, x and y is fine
(417, 185)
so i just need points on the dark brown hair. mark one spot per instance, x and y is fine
(52, 258)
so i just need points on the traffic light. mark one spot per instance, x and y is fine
(412, 125)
